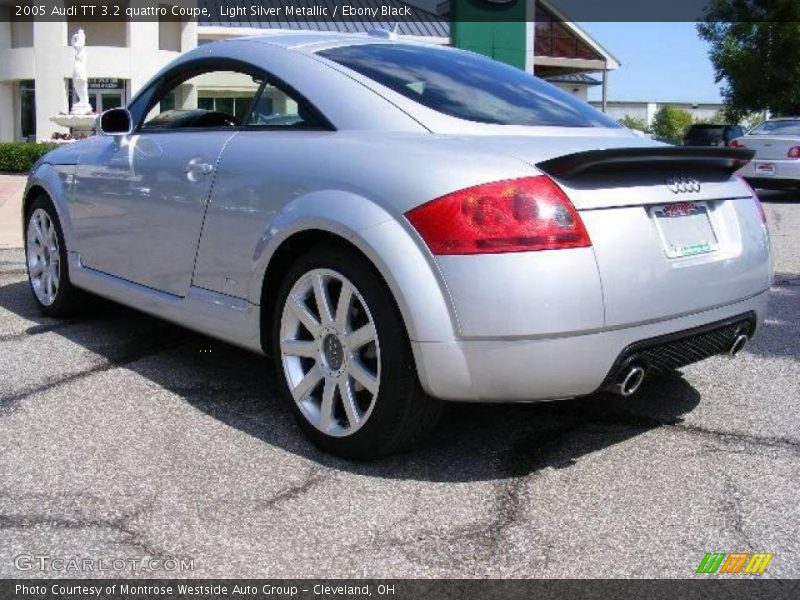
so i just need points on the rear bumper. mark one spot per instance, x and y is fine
(787, 172)
(548, 368)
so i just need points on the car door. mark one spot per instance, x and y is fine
(140, 200)
(259, 171)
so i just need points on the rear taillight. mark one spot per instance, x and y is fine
(794, 152)
(735, 144)
(755, 199)
(517, 215)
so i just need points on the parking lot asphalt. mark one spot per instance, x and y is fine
(126, 437)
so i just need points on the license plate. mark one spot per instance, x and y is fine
(765, 169)
(685, 229)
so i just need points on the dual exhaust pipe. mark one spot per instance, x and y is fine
(738, 344)
(629, 380)
(632, 375)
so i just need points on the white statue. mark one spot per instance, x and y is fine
(80, 77)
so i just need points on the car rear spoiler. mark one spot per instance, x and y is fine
(673, 158)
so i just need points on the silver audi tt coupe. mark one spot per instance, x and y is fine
(398, 224)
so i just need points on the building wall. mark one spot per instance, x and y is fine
(579, 91)
(133, 54)
(647, 110)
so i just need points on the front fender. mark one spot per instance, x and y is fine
(56, 181)
(388, 241)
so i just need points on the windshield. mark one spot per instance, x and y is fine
(467, 85)
(787, 127)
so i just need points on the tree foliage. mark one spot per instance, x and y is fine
(670, 123)
(755, 54)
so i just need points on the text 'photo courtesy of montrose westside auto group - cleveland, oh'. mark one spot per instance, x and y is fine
(399, 299)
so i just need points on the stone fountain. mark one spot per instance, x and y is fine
(81, 118)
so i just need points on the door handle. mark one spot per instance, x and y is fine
(196, 168)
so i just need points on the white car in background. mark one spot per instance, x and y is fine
(777, 161)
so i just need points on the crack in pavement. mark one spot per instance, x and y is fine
(313, 478)
(732, 506)
(10, 403)
(479, 542)
(525, 460)
(680, 424)
(755, 440)
(121, 525)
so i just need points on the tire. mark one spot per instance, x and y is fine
(385, 414)
(44, 241)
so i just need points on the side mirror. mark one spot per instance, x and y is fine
(116, 121)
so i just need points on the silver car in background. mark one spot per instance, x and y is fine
(398, 224)
(776, 164)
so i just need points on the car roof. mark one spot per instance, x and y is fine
(311, 41)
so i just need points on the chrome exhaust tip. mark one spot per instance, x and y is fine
(738, 344)
(630, 380)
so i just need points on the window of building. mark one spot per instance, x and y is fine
(27, 109)
(232, 105)
(21, 32)
(553, 38)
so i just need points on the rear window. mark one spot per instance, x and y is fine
(467, 86)
(788, 127)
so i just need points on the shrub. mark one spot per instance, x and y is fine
(670, 123)
(19, 157)
(633, 123)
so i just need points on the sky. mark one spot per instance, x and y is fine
(660, 62)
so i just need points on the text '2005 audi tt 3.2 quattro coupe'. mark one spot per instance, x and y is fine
(398, 224)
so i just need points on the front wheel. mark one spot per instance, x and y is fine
(46, 260)
(343, 354)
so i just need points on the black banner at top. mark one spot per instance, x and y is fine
(266, 13)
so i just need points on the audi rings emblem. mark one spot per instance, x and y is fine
(679, 184)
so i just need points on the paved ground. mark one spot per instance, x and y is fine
(11, 187)
(123, 436)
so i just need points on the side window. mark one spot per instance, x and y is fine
(209, 99)
(277, 108)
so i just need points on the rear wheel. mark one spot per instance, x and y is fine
(342, 352)
(46, 261)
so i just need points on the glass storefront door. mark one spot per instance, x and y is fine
(109, 99)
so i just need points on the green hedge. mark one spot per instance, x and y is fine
(18, 157)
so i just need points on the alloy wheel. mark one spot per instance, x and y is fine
(43, 256)
(330, 352)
